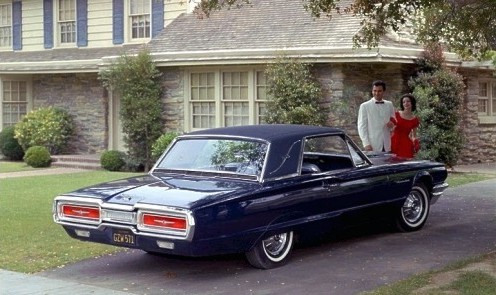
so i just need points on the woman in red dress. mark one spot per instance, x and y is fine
(404, 142)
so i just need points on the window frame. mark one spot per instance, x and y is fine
(489, 116)
(29, 97)
(128, 23)
(260, 102)
(254, 102)
(8, 25)
(238, 96)
(58, 21)
(329, 153)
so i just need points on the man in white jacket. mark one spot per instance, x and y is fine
(374, 125)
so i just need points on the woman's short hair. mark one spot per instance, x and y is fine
(412, 100)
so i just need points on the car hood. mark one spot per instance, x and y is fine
(167, 190)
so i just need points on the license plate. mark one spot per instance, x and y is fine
(123, 238)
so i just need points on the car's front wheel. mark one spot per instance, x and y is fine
(413, 214)
(271, 252)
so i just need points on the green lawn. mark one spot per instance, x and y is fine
(30, 240)
(7, 166)
(456, 179)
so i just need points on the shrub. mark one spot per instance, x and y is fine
(48, 126)
(37, 157)
(162, 143)
(112, 160)
(346, 108)
(9, 146)
(439, 92)
(133, 165)
(294, 94)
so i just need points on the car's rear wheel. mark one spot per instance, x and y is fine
(413, 214)
(271, 252)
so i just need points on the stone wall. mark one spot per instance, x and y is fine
(82, 95)
(480, 139)
(361, 76)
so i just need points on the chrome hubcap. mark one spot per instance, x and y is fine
(413, 207)
(275, 244)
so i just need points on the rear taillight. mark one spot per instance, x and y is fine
(80, 212)
(163, 222)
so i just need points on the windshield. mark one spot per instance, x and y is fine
(216, 155)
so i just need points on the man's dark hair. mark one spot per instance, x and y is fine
(379, 83)
(412, 100)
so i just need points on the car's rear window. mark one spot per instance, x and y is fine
(216, 155)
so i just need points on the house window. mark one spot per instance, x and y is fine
(261, 96)
(66, 21)
(203, 100)
(5, 25)
(225, 98)
(139, 18)
(487, 102)
(14, 101)
(483, 99)
(493, 99)
(235, 98)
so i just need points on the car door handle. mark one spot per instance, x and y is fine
(329, 185)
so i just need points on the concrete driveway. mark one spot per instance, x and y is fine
(461, 225)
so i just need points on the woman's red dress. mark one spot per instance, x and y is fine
(401, 143)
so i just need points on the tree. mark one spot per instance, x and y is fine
(294, 94)
(466, 26)
(136, 80)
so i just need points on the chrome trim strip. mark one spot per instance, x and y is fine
(118, 207)
(118, 216)
(102, 226)
(438, 190)
(154, 209)
(64, 200)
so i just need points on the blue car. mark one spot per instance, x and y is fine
(252, 190)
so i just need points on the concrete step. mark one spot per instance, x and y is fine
(90, 162)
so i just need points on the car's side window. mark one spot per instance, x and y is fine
(326, 153)
(358, 160)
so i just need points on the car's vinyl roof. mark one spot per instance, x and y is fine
(269, 132)
(286, 143)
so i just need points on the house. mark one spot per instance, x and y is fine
(213, 68)
(51, 51)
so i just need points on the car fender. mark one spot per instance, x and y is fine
(423, 177)
(290, 221)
